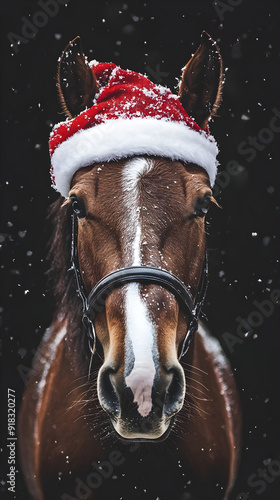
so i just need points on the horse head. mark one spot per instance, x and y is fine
(141, 210)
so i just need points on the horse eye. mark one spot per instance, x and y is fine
(78, 207)
(202, 206)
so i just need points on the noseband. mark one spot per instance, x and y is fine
(95, 301)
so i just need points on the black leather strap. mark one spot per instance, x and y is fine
(140, 274)
(75, 263)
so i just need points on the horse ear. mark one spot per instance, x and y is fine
(200, 89)
(76, 83)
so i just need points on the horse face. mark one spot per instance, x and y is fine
(142, 211)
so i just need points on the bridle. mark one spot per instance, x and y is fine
(94, 302)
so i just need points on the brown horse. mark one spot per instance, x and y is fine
(131, 418)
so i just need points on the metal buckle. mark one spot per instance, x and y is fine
(189, 336)
(88, 324)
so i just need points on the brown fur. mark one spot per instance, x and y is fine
(202, 80)
(62, 427)
(77, 92)
(208, 445)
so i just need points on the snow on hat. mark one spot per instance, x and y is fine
(130, 116)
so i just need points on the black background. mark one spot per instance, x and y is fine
(156, 38)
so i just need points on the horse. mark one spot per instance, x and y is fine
(121, 402)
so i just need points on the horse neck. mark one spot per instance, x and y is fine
(213, 406)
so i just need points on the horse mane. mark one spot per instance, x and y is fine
(61, 279)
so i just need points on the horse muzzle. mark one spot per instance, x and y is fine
(144, 412)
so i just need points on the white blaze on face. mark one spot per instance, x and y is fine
(140, 334)
(140, 339)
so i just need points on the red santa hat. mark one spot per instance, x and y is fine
(130, 116)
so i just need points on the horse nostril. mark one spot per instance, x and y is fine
(107, 392)
(175, 393)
